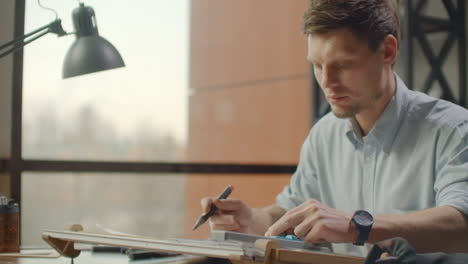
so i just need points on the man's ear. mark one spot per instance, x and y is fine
(390, 49)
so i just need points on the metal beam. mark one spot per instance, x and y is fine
(3, 165)
(16, 111)
(455, 26)
(462, 70)
(153, 167)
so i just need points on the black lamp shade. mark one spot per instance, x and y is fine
(90, 52)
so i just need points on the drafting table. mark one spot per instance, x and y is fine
(261, 251)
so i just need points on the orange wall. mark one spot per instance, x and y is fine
(250, 96)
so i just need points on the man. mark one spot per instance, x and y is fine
(399, 155)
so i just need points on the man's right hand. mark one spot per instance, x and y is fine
(232, 215)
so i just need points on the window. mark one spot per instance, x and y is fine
(192, 92)
(135, 113)
(146, 205)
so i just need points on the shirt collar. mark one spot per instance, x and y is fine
(354, 133)
(386, 127)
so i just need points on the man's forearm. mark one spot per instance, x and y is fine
(437, 229)
(263, 218)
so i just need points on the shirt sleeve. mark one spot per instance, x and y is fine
(451, 184)
(303, 184)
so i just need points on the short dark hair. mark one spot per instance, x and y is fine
(368, 19)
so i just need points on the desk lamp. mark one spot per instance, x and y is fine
(89, 53)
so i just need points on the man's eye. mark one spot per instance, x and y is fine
(337, 66)
(342, 65)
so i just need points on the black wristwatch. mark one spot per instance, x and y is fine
(363, 221)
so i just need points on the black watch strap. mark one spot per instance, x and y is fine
(362, 237)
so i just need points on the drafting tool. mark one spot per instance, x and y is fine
(220, 235)
(202, 219)
(266, 251)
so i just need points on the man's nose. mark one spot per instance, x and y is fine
(328, 78)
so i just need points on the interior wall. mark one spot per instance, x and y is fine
(250, 96)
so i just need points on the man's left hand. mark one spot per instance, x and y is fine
(315, 223)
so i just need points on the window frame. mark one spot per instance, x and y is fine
(16, 165)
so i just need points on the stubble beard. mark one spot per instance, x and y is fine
(352, 110)
(345, 112)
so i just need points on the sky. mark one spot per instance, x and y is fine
(153, 38)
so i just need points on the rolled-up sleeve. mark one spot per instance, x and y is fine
(303, 184)
(451, 185)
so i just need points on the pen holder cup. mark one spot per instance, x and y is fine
(9, 228)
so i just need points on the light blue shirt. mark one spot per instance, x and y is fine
(415, 157)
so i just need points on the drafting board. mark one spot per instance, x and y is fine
(262, 251)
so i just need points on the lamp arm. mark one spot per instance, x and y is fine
(18, 43)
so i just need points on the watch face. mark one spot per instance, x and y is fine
(364, 218)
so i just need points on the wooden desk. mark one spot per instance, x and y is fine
(85, 257)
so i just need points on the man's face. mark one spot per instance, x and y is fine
(348, 72)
